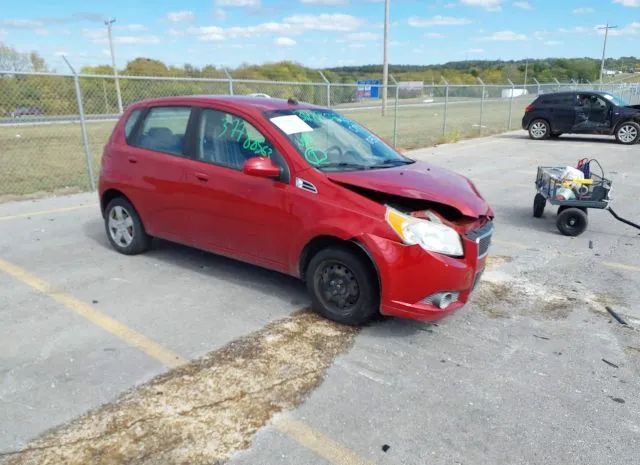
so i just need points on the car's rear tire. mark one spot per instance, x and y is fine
(628, 133)
(343, 286)
(539, 202)
(124, 228)
(539, 129)
(572, 221)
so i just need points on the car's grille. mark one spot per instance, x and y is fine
(482, 237)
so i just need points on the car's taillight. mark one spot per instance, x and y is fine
(529, 108)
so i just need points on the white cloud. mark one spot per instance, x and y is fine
(99, 36)
(506, 36)
(325, 22)
(41, 31)
(136, 40)
(3, 33)
(437, 21)
(523, 5)
(184, 16)
(132, 28)
(324, 2)
(21, 23)
(435, 35)
(585, 10)
(633, 3)
(284, 41)
(238, 3)
(219, 14)
(491, 5)
(553, 42)
(366, 36)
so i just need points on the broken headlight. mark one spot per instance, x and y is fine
(430, 235)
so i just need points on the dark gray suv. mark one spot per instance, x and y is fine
(551, 115)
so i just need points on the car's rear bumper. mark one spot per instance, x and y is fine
(409, 275)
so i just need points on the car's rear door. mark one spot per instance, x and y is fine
(563, 112)
(230, 212)
(156, 172)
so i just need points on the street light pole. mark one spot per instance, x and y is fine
(604, 48)
(385, 60)
(109, 23)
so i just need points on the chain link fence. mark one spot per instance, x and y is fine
(53, 127)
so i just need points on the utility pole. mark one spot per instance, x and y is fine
(604, 47)
(385, 58)
(526, 68)
(109, 23)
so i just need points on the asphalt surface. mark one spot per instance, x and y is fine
(533, 371)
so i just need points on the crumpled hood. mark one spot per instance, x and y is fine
(419, 180)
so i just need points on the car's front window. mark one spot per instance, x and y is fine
(331, 142)
(617, 101)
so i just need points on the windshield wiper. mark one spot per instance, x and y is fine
(392, 162)
(343, 164)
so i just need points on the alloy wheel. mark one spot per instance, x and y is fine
(538, 129)
(121, 226)
(627, 133)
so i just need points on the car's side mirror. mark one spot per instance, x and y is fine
(262, 167)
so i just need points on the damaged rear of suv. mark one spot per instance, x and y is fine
(301, 190)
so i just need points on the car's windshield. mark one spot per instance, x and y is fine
(617, 101)
(331, 142)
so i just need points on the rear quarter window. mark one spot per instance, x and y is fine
(164, 129)
(131, 123)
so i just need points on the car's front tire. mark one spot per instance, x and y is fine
(124, 228)
(539, 129)
(628, 133)
(343, 286)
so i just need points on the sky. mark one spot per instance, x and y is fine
(318, 33)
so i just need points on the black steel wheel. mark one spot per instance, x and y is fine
(343, 286)
(572, 221)
(539, 202)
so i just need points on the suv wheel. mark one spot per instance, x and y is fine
(628, 133)
(343, 286)
(124, 228)
(539, 129)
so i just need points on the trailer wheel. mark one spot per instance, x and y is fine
(539, 202)
(572, 221)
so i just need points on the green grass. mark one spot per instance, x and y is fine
(50, 158)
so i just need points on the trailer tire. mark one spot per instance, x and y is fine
(572, 221)
(539, 202)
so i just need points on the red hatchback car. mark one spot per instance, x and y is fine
(302, 190)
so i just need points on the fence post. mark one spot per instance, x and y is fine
(395, 111)
(481, 104)
(446, 105)
(558, 84)
(538, 84)
(83, 125)
(230, 80)
(328, 83)
(513, 89)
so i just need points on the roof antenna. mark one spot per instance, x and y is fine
(292, 101)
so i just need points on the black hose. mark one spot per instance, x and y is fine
(615, 215)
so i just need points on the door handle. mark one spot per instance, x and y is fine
(202, 177)
(133, 160)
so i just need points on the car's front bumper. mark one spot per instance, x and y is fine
(409, 275)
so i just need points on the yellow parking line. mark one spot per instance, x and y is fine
(621, 266)
(47, 212)
(317, 442)
(128, 335)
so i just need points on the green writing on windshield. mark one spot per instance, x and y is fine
(235, 129)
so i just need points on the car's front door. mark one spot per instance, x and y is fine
(155, 158)
(231, 212)
(593, 113)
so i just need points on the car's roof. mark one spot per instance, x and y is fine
(571, 92)
(254, 103)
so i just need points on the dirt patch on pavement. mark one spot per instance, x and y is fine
(204, 411)
(496, 261)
